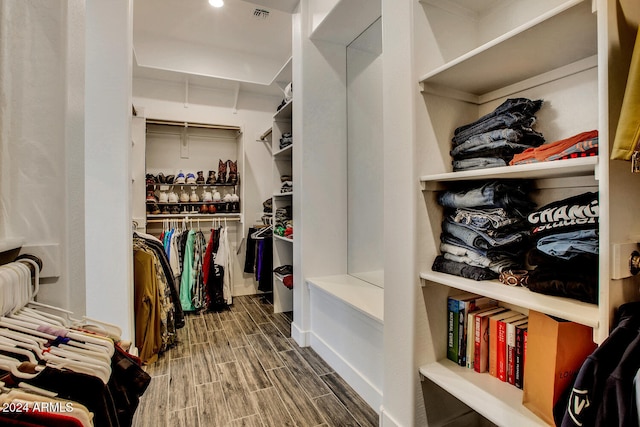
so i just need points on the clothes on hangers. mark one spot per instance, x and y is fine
(156, 304)
(44, 350)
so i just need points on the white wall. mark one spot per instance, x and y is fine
(254, 115)
(41, 138)
(107, 152)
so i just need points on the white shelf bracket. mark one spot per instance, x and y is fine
(237, 95)
(186, 92)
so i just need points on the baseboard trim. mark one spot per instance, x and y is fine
(387, 420)
(360, 383)
(299, 336)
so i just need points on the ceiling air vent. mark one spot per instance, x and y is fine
(261, 13)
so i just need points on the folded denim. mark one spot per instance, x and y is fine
(502, 149)
(483, 219)
(494, 254)
(509, 195)
(482, 239)
(478, 163)
(505, 120)
(442, 265)
(460, 254)
(569, 245)
(522, 105)
(581, 262)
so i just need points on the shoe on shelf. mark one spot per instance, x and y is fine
(212, 177)
(170, 179)
(222, 172)
(180, 179)
(212, 209)
(191, 178)
(283, 270)
(233, 172)
(175, 209)
(161, 178)
(151, 197)
(200, 177)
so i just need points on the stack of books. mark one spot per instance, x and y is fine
(486, 337)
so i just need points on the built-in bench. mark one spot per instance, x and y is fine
(346, 319)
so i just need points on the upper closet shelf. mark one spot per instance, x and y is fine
(554, 40)
(285, 112)
(11, 243)
(583, 166)
(566, 308)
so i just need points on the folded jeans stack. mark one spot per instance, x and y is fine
(492, 140)
(484, 231)
(566, 248)
(286, 140)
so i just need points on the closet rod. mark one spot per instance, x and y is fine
(219, 218)
(191, 124)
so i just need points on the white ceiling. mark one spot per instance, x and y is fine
(176, 40)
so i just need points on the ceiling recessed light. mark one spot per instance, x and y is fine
(216, 3)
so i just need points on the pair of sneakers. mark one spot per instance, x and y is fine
(189, 178)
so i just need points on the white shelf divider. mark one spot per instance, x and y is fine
(476, 72)
(566, 308)
(275, 236)
(11, 243)
(582, 166)
(499, 402)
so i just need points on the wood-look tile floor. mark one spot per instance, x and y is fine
(241, 368)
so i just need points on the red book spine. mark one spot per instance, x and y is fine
(501, 356)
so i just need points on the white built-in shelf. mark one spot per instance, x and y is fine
(563, 36)
(284, 154)
(275, 236)
(289, 193)
(499, 402)
(11, 243)
(566, 308)
(285, 112)
(582, 166)
(284, 76)
(361, 295)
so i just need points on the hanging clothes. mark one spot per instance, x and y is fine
(223, 259)
(156, 304)
(187, 278)
(80, 362)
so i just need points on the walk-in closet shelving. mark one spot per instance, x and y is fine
(281, 173)
(172, 147)
(557, 51)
